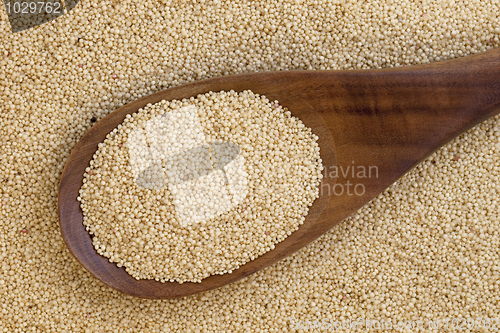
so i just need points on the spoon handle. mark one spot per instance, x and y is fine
(390, 120)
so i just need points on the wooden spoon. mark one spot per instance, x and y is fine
(388, 119)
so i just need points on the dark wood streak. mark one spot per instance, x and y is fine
(389, 118)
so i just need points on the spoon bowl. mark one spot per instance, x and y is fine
(373, 127)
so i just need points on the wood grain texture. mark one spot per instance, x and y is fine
(390, 119)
